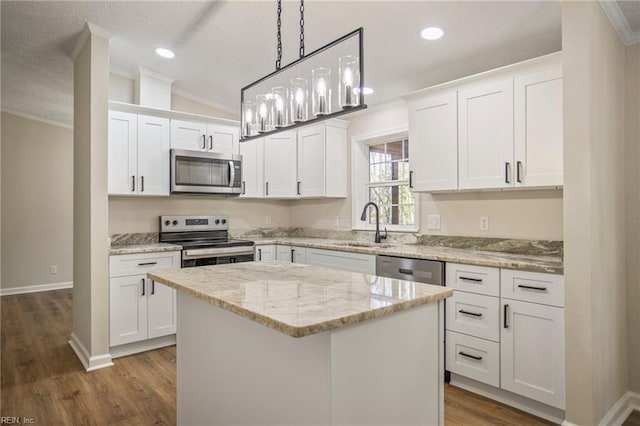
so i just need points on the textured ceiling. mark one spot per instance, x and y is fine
(631, 12)
(222, 46)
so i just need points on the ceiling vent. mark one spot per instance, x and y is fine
(152, 89)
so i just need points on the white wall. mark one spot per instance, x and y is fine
(512, 214)
(632, 156)
(594, 219)
(37, 202)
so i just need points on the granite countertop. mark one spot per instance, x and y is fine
(143, 248)
(299, 300)
(523, 262)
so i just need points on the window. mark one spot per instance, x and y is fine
(388, 183)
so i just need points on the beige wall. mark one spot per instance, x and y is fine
(594, 219)
(633, 212)
(184, 104)
(37, 202)
(121, 89)
(512, 214)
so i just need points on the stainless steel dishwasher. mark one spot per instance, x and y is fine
(420, 270)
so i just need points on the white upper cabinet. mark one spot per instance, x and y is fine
(538, 128)
(198, 136)
(485, 135)
(280, 169)
(123, 152)
(138, 154)
(433, 143)
(153, 155)
(252, 152)
(322, 161)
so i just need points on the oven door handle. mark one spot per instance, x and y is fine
(232, 173)
(218, 252)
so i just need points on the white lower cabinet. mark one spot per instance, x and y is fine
(140, 308)
(505, 328)
(291, 254)
(265, 252)
(354, 262)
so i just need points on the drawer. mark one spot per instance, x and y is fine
(474, 314)
(474, 279)
(535, 287)
(475, 358)
(136, 264)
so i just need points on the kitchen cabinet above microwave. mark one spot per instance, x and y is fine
(497, 130)
(208, 137)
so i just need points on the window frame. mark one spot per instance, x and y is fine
(360, 178)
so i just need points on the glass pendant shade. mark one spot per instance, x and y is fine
(299, 96)
(279, 109)
(248, 118)
(349, 81)
(321, 92)
(263, 119)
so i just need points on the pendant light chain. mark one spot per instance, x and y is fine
(279, 48)
(301, 28)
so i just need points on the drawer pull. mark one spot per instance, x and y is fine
(477, 358)
(405, 271)
(473, 280)
(147, 263)
(473, 314)
(532, 287)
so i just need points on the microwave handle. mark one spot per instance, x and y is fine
(232, 173)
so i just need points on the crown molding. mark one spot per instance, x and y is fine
(620, 22)
(88, 29)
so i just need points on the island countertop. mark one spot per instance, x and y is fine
(299, 300)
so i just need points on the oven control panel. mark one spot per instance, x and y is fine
(193, 223)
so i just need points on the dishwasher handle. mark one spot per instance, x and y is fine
(405, 271)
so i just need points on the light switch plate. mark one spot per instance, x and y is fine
(484, 223)
(433, 221)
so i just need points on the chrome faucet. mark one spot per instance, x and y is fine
(378, 238)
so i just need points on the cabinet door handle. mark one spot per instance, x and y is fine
(410, 178)
(532, 287)
(405, 271)
(473, 280)
(292, 255)
(153, 287)
(260, 255)
(147, 263)
(133, 183)
(204, 141)
(244, 187)
(141, 183)
(210, 142)
(477, 358)
(519, 171)
(267, 190)
(504, 314)
(507, 172)
(144, 284)
(298, 188)
(473, 314)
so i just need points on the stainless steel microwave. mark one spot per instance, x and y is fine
(205, 172)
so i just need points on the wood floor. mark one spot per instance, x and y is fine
(42, 379)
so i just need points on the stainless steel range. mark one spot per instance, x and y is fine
(204, 240)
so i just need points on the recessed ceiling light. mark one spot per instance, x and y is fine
(432, 33)
(165, 53)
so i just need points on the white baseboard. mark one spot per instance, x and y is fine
(621, 409)
(89, 363)
(142, 346)
(35, 288)
(552, 414)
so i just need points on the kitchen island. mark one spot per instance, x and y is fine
(290, 344)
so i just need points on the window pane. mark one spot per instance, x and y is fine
(380, 172)
(402, 170)
(394, 150)
(377, 154)
(396, 205)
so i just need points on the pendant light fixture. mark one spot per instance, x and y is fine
(301, 93)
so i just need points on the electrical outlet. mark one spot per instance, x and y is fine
(484, 223)
(53, 269)
(267, 219)
(433, 221)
